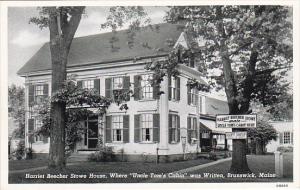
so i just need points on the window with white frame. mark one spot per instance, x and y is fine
(117, 83)
(147, 89)
(201, 104)
(205, 134)
(147, 127)
(39, 93)
(117, 128)
(38, 125)
(89, 84)
(173, 88)
(174, 128)
(192, 93)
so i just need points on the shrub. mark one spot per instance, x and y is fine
(212, 156)
(29, 153)
(104, 154)
(19, 153)
(285, 149)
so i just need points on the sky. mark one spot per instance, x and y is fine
(25, 39)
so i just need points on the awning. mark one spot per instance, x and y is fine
(211, 125)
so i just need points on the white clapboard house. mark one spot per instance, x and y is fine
(153, 124)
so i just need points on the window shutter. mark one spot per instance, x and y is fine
(79, 84)
(30, 125)
(85, 134)
(292, 138)
(31, 95)
(197, 96)
(45, 139)
(46, 90)
(97, 85)
(178, 128)
(169, 86)
(189, 137)
(126, 128)
(156, 88)
(280, 138)
(126, 86)
(108, 86)
(137, 128)
(170, 128)
(108, 129)
(137, 87)
(156, 127)
(196, 129)
(189, 94)
(30, 138)
(178, 88)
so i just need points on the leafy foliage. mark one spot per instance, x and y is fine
(79, 104)
(16, 109)
(245, 44)
(264, 132)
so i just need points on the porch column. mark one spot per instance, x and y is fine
(164, 121)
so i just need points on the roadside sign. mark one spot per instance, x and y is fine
(236, 121)
(236, 135)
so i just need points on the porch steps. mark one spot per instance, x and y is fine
(79, 156)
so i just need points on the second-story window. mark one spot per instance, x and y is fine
(147, 127)
(192, 96)
(147, 89)
(117, 128)
(117, 83)
(174, 88)
(89, 84)
(39, 93)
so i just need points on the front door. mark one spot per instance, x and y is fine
(92, 132)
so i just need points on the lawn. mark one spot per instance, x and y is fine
(257, 164)
(98, 168)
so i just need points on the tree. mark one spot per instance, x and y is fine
(63, 23)
(262, 134)
(74, 97)
(245, 43)
(16, 109)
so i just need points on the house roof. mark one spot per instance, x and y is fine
(215, 106)
(86, 50)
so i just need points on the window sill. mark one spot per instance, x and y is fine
(174, 143)
(147, 100)
(176, 101)
(145, 142)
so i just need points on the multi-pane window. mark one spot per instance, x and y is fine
(174, 128)
(173, 88)
(147, 127)
(201, 103)
(205, 134)
(117, 83)
(147, 89)
(117, 128)
(89, 84)
(286, 138)
(39, 93)
(38, 125)
(192, 96)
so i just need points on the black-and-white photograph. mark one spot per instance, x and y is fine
(150, 94)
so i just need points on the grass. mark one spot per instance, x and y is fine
(257, 164)
(105, 168)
